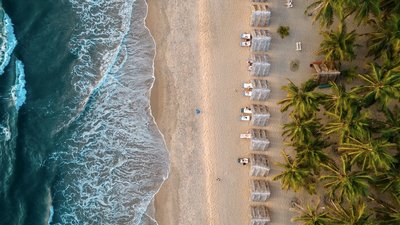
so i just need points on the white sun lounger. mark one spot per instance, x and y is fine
(247, 85)
(245, 43)
(247, 93)
(245, 110)
(246, 36)
(298, 46)
(245, 136)
(289, 5)
(245, 118)
(243, 161)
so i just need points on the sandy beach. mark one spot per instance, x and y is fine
(200, 66)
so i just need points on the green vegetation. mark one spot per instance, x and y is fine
(347, 142)
(283, 31)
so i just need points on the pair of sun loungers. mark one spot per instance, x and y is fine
(247, 40)
(289, 4)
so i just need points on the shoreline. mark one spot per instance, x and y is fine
(151, 209)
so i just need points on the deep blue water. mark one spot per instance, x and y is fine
(77, 142)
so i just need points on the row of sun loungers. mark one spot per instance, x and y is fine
(256, 113)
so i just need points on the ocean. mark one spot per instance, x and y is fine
(78, 144)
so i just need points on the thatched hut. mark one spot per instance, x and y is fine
(259, 215)
(260, 191)
(260, 90)
(261, 15)
(260, 115)
(259, 165)
(260, 66)
(324, 73)
(261, 41)
(259, 140)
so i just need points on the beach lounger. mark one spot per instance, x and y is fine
(247, 85)
(245, 136)
(245, 110)
(298, 46)
(245, 118)
(247, 93)
(245, 43)
(289, 4)
(246, 36)
(243, 161)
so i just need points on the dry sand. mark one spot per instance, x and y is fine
(200, 65)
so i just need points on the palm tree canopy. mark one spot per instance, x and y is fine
(312, 216)
(371, 153)
(389, 181)
(386, 37)
(301, 129)
(382, 84)
(303, 101)
(293, 176)
(364, 9)
(392, 129)
(338, 45)
(311, 154)
(388, 214)
(353, 123)
(344, 183)
(325, 10)
(349, 213)
(339, 101)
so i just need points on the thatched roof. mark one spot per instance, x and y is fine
(261, 41)
(260, 191)
(259, 165)
(260, 16)
(259, 140)
(259, 215)
(260, 91)
(323, 73)
(260, 115)
(260, 66)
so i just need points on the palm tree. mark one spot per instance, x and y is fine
(386, 37)
(392, 129)
(389, 7)
(294, 176)
(386, 213)
(283, 31)
(300, 130)
(349, 214)
(370, 153)
(339, 101)
(325, 11)
(338, 45)
(389, 181)
(353, 123)
(364, 9)
(311, 215)
(303, 101)
(382, 84)
(344, 183)
(311, 154)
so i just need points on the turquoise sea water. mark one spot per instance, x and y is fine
(78, 143)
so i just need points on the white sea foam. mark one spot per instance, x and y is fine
(7, 42)
(116, 158)
(5, 134)
(18, 91)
